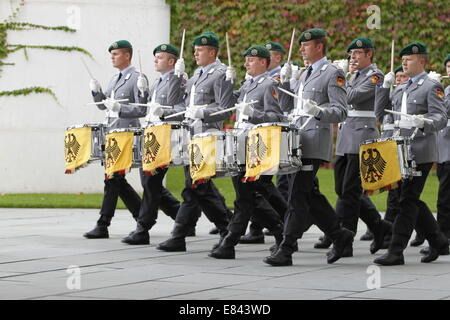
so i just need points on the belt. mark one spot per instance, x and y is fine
(360, 113)
(387, 126)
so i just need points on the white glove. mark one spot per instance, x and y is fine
(179, 67)
(247, 76)
(435, 76)
(94, 85)
(417, 121)
(247, 110)
(342, 64)
(310, 107)
(286, 72)
(142, 84)
(296, 72)
(112, 105)
(230, 75)
(194, 113)
(389, 80)
(156, 110)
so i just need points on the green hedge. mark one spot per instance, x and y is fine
(251, 22)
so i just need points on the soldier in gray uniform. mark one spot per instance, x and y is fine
(261, 88)
(166, 91)
(119, 115)
(359, 126)
(422, 98)
(276, 196)
(211, 86)
(321, 102)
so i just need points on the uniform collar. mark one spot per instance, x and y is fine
(274, 71)
(127, 70)
(259, 76)
(414, 79)
(164, 76)
(209, 66)
(318, 64)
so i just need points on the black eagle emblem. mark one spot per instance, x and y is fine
(196, 157)
(71, 147)
(256, 149)
(112, 151)
(151, 147)
(372, 165)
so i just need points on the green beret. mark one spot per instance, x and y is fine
(360, 43)
(447, 59)
(120, 44)
(413, 48)
(312, 34)
(166, 48)
(207, 38)
(398, 69)
(257, 51)
(274, 46)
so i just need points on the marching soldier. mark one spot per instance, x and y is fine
(166, 91)
(261, 88)
(359, 126)
(211, 85)
(321, 102)
(418, 97)
(119, 115)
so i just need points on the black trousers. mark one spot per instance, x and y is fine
(155, 196)
(408, 217)
(352, 204)
(443, 202)
(302, 195)
(115, 188)
(392, 204)
(247, 205)
(283, 185)
(205, 197)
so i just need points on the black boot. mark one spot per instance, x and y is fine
(438, 243)
(138, 236)
(418, 240)
(368, 236)
(226, 248)
(177, 242)
(214, 231)
(387, 240)
(443, 252)
(99, 232)
(223, 234)
(283, 256)
(379, 233)
(254, 236)
(323, 243)
(347, 253)
(273, 249)
(390, 259)
(191, 232)
(341, 239)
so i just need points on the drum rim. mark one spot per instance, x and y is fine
(86, 125)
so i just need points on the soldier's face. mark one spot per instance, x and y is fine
(275, 59)
(204, 55)
(310, 50)
(255, 65)
(400, 77)
(447, 66)
(359, 58)
(163, 62)
(120, 58)
(412, 65)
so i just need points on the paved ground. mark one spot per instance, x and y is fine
(37, 246)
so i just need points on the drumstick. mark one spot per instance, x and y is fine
(183, 112)
(407, 115)
(228, 49)
(445, 77)
(392, 55)
(237, 106)
(140, 64)
(149, 105)
(182, 44)
(103, 101)
(290, 47)
(87, 69)
(295, 96)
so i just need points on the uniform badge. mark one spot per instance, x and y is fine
(415, 49)
(268, 46)
(163, 47)
(440, 93)
(275, 94)
(308, 36)
(115, 45)
(277, 79)
(375, 79)
(372, 165)
(204, 40)
(359, 43)
(340, 81)
(254, 52)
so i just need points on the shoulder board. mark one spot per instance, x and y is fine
(324, 67)
(420, 82)
(128, 76)
(370, 72)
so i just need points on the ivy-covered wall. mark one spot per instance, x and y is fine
(251, 22)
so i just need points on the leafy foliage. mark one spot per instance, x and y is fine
(250, 22)
(27, 91)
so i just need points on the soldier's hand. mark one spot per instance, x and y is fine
(310, 107)
(230, 75)
(247, 110)
(389, 80)
(296, 72)
(142, 84)
(435, 76)
(342, 64)
(157, 111)
(286, 72)
(112, 105)
(179, 67)
(94, 85)
(418, 121)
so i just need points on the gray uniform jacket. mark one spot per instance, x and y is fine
(444, 134)
(361, 97)
(264, 91)
(125, 88)
(422, 98)
(326, 86)
(210, 89)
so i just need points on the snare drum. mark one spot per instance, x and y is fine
(97, 139)
(136, 150)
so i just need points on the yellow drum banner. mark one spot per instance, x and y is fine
(202, 158)
(379, 166)
(263, 151)
(77, 148)
(156, 148)
(118, 152)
